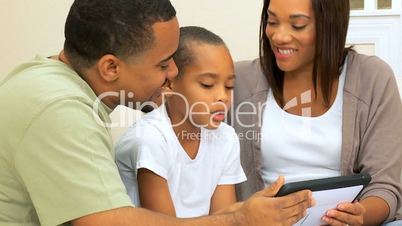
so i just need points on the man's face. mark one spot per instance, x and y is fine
(142, 79)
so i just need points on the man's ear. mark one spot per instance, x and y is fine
(109, 67)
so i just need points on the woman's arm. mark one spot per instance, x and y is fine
(377, 210)
(154, 192)
(369, 211)
(379, 147)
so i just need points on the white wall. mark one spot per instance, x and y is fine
(236, 21)
(30, 27)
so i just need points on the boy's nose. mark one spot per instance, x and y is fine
(222, 95)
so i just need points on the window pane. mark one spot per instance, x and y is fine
(364, 48)
(384, 4)
(356, 4)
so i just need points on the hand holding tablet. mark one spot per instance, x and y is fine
(328, 193)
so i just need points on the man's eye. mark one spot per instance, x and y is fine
(164, 67)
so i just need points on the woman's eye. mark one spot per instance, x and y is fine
(299, 27)
(269, 22)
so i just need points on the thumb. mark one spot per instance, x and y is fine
(274, 188)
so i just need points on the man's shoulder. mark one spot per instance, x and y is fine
(44, 78)
(34, 85)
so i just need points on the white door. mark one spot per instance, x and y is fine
(376, 29)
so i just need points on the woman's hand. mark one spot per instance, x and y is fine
(345, 214)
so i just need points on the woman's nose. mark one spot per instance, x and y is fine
(281, 36)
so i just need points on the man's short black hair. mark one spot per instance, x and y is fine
(119, 27)
(189, 36)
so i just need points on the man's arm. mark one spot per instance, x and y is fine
(154, 192)
(260, 209)
(142, 217)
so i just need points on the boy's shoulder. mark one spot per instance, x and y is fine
(150, 128)
(225, 128)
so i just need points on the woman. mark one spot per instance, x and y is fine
(310, 108)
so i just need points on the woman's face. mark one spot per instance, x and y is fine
(291, 33)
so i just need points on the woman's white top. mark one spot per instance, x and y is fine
(301, 147)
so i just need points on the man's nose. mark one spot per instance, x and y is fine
(173, 70)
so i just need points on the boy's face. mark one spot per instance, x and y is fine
(207, 84)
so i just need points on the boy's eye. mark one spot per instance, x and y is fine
(206, 85)
(229, 87)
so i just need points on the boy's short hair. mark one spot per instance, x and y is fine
(123, 28)
(189, 36)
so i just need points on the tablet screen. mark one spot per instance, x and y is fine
(326, 200)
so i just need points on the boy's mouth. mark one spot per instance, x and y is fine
(218, 116)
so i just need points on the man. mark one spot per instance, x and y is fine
(56, 154)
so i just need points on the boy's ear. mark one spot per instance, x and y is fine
(109, 67)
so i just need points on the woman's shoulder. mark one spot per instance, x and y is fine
(249, 79)
(367, 73)
(369, 68)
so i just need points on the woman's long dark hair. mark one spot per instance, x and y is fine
(332, 21)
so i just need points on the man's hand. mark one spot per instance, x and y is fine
(261, 209)
(265, 209)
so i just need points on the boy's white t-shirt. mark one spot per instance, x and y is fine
(152, 144)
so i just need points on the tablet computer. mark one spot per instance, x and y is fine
(328, 193)
(326, 184)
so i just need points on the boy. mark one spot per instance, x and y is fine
(181, 159)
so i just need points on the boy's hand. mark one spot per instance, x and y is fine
(265, 209)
